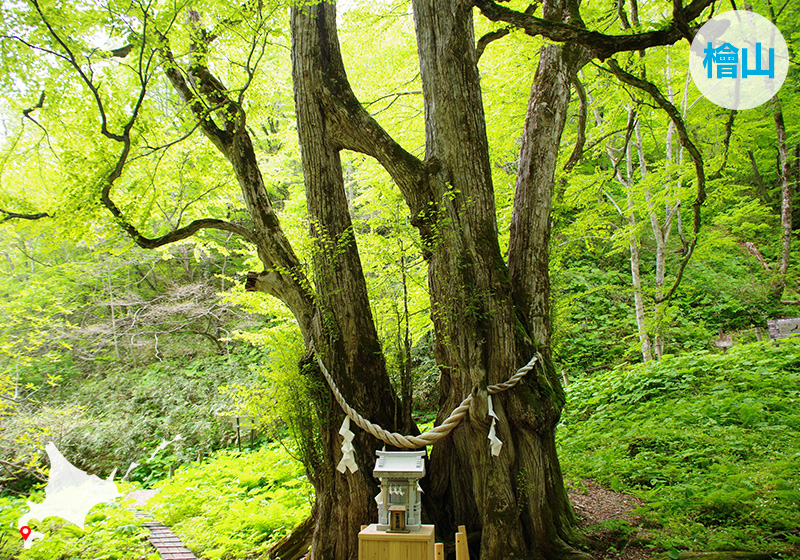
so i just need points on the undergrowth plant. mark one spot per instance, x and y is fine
(235, 505)
(111, 532)
(710, 441)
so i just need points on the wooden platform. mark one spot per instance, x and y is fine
(380, 545)
(166, 543)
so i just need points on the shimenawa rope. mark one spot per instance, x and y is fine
(434, 434)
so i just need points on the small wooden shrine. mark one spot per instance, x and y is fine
(400, 500)
(399, 533)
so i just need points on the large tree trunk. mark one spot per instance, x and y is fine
(536, 413)
(490, 320)
(472, 308)
(343, 331)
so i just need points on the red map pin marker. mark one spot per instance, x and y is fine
(25, 532)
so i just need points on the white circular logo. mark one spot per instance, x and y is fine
(739, 60)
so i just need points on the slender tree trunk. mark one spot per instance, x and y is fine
(633, 245)
(638, 304)
(661, 250)
(658, 235)
(786, 199)
(113, 313)
(636, 280)
(785, 178)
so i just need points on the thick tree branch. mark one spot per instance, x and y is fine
(206, 95)
(580, 140)
(201, 111)
(353, 128)
(753, 250)
(686, 142)
(680, 22)
(186, 232)
(10, 215)
(171, 237)
(601, 45)
(489, 38)
(493, 36)
(726, 143)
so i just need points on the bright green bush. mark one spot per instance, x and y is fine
(235, 505)
(710, 441)
(111, 532)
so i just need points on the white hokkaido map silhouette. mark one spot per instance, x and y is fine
(70, 494)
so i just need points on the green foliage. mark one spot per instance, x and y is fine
(109, 421)
(279, 396)
(594, 323)
(106, 350)
(595, 329)
(111, 532)
(235, 505)
(709, 441)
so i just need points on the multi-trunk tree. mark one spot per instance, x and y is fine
(490, 311)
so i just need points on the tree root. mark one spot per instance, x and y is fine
(296, 544)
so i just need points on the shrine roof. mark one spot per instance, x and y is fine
(400, 464)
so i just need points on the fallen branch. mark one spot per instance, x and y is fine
(753, 250)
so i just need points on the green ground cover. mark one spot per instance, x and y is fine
(235, 505)
(111, 532)
(710, 441)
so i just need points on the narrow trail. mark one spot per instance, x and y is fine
(166, 543)
(594, 504)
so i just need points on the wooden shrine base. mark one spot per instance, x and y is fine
(380, 545)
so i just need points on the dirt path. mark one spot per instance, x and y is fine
(594, 505)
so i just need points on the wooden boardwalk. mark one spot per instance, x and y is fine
(166, 543)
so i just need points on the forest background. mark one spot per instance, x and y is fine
(108, 348)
